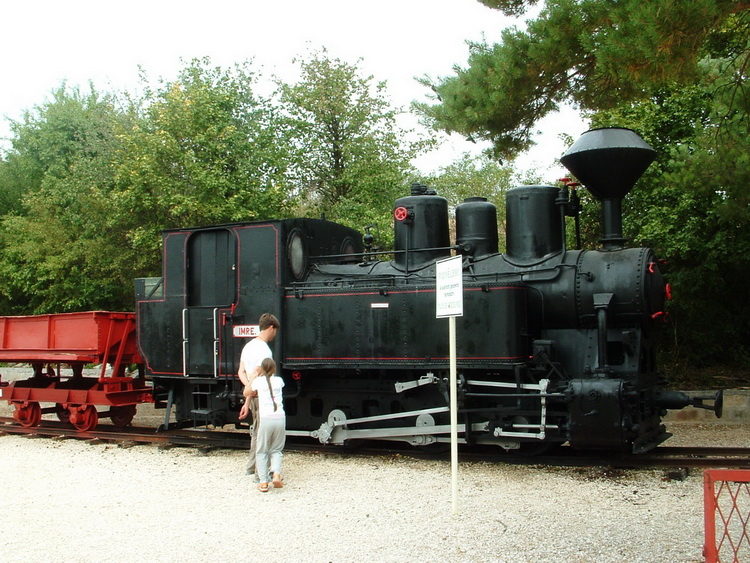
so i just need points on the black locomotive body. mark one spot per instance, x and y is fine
(554, 345)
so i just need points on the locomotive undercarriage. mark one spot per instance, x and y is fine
(595, 413)
(519, 408)
(340, 407)
(489, 412)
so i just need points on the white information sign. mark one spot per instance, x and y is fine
(449, 302)
(450, 287)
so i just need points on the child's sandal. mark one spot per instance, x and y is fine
(263, 487)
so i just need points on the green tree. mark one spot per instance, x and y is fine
(352, 160)
(471, 176)
(52, 138)
(107, 180)
(56, 250)
(693, 208)
(474, 176)
(675, 71)
(692, 205)
(206, 151)
(593, 53)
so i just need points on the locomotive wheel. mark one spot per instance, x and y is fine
(84, 419)
(531, 449)
(63, 414)
(435, 448)
(122, 416)
(427, 420)
(28, 415)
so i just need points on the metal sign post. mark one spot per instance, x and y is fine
(449, 303)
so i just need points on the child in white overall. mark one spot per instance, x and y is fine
(272, 427)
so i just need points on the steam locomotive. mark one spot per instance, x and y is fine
(554, 345)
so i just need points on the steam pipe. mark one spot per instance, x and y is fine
(562, 202)
(612, 224)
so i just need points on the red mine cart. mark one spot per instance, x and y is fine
(48, 342)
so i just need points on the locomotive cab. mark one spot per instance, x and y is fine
(195, 319)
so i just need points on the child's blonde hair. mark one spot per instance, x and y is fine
(268, 367)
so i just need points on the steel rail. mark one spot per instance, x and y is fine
(206, 439)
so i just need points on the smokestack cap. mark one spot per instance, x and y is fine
(609, 161)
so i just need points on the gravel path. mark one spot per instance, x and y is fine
(71, 500)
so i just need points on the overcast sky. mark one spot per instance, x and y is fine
(46, 42)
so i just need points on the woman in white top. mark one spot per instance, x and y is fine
(272, 427)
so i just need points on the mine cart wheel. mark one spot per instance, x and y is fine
(122, 416)
(84, 419)
(28, 415)
(63, 414)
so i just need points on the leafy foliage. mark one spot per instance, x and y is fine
(472, 176)
(91, 180)
(205, 152)
(676, 72)
(693, 208)
(56, 248)
(104, 182)
(351, 160)
(595, 53)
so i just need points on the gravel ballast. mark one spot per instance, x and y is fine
(72, 500)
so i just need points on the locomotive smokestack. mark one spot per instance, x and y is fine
(608, 162)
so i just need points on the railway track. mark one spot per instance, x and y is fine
(661, 457)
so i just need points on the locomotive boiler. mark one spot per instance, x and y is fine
(554, 346)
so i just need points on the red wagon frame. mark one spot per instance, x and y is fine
(74, 339)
